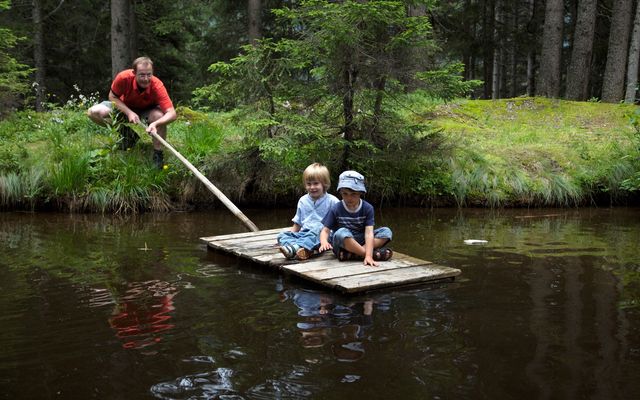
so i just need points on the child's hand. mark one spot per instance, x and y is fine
(325, 246)
(368, 260)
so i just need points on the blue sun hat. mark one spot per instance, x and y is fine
(352, 180)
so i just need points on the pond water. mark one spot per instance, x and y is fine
(111, 307)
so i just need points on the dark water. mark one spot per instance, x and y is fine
(105, 307)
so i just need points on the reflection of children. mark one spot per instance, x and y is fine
(300, 242)
(314, 308)
(352, 221)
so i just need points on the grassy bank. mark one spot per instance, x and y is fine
(522, 152)
(540, 152)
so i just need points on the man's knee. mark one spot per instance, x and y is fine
(155, 115)
(98, 113)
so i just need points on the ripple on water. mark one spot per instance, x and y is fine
(208, 385)
(209, 270)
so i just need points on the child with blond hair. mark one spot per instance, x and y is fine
(302, 240)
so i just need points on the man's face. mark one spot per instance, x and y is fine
(144, 72)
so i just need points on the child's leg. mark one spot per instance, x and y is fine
(287, 238)
(351, 245)
(343, 238)
(308, 240)
(381, 236)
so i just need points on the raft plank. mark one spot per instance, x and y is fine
(267, 232)
(388, 278)
(325, 269)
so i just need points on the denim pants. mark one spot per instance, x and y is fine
(309, 239)
(342, 233)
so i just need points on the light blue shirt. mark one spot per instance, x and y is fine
(309, 213)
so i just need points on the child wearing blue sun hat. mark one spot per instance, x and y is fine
(352, 222)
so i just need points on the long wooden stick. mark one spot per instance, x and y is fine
(224, 199)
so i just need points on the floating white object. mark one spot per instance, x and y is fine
(475, 241)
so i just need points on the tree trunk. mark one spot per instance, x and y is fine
(120, 50)
(487, 47)
(418, 10)
(254, 9)
(614, 72)
(551, 49)
(532, 29)
(513, 57)
(349, 80)
(634, 58)
(580, 66)
(38, 54)
(379, 86)
(133, 32)
(497, 51)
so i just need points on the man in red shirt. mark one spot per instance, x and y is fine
(138, 95)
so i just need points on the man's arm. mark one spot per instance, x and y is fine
(131, 116)
(169, 116)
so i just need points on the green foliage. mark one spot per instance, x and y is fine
(259, 75)
(447, 83)
(334, 78)
(530, 151)
(13, 74)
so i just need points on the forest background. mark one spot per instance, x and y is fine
(266, 87)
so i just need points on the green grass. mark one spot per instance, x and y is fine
(534, 151)
(517, 152)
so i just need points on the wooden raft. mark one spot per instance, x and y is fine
(326, 270)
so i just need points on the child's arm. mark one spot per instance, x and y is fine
(295, 228)
(324, 240)
(368, 246)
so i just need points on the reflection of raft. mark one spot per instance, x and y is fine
(326, 270)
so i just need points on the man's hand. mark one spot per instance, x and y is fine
(152, 128)
(133, 117)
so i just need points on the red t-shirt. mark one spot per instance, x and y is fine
(125, 87)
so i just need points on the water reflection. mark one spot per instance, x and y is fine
(324, 321)
(547, 309)
(142, 312)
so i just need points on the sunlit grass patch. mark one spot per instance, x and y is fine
(538, 151)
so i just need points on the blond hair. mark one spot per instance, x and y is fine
(141, 60)
(317, 172)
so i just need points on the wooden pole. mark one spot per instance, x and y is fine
(224, 199)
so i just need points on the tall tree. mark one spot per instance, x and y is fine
(488, 45)
(254, 8)
(580, 65)
(353, 47)
(39, 18)
(614, 73)
(120, 36)
(550, 65)
(498, 50)
(634, 58)
(38, 54)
